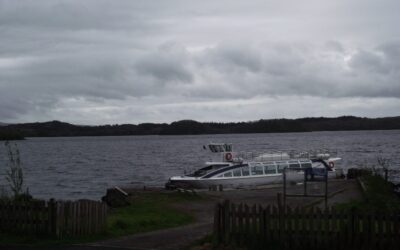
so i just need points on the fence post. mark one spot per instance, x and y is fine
(217, 224)
(353, 224)
(227, 224)
(280, 219)
(53, 218)
(240, 224)
(279, 200)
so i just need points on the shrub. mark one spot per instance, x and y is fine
(14, 174)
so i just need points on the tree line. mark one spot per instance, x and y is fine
(191, 127)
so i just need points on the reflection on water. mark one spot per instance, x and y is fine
(83, 167)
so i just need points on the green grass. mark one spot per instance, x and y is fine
(147, 212)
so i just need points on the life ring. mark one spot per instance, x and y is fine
(331, 164)
(228, 156)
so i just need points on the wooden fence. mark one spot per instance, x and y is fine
(56, 219)
(258, 227)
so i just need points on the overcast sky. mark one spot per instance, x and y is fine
(101, 62)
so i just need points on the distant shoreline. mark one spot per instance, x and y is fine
(190, 127)
(11, 136)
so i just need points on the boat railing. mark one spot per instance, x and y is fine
(261, 156)
(284, 155)
(315, 154)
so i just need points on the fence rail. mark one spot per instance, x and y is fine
(57, 219)
(271, 227)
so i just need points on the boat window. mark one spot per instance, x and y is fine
(199, 173)
(228, 174)
(270, 169)
(294, 165)
(237, 172)
(306, 165)
(257, 170)
(228, 147)
(217, 148)
(245, 171)
(219, 176)
(281, 166)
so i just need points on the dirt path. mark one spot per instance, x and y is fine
(175, 238)
(182, 237)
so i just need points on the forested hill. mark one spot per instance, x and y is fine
(188, 127)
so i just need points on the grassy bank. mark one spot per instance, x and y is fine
(378, 196)
(147, 212)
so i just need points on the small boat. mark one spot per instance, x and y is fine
(240, 169)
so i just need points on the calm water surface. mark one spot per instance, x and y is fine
(84, 167)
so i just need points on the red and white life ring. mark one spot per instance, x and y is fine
(228, 156)
(331, 164)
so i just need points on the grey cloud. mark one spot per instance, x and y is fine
(165, 66)
(101, 52)
(282, 60)
(335, 45)
(369, 61)
(71, 15)
(230, 57)
(89, 75)
(12, 108)
(299, 70)
(391, 52)
(212, 74)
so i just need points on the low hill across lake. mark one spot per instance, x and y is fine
(190, 127)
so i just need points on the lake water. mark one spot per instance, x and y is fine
(84, 167)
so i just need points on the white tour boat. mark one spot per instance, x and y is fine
(236, 169)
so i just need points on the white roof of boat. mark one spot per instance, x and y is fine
(272, 157)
